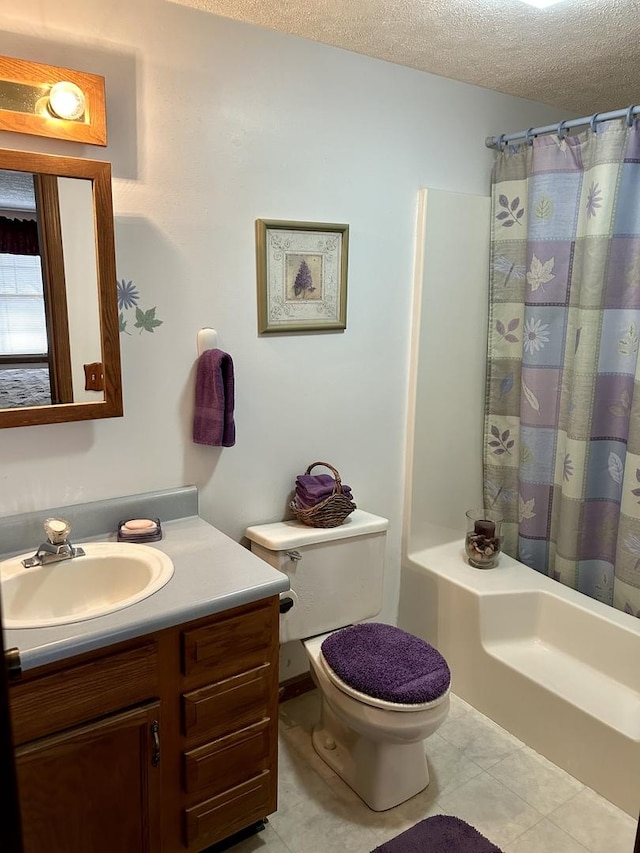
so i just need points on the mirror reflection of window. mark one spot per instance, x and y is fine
(24, 359)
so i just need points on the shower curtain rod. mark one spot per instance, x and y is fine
(499, 142)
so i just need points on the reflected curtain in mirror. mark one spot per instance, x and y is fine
(19, 236)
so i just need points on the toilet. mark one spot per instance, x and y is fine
(383, 690)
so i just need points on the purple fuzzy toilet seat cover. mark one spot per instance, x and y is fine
(387, 663)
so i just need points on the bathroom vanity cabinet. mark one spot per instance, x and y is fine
(165, 743)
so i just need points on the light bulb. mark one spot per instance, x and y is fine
(66, 100)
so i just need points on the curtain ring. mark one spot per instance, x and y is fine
(501, 142)
(530, 136)
(630, 115)
(561, 129)
(592, 123)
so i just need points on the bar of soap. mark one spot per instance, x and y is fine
(139, 525)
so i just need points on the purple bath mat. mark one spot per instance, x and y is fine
(439, 834)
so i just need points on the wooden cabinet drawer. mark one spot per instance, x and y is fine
(231, 644)
(49, 703)
(228, 705)
(221, 816)
(227, 762)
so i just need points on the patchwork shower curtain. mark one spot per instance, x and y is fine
(562, 424)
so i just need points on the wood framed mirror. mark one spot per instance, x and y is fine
(59, 330)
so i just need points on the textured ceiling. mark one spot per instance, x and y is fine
(581, 55)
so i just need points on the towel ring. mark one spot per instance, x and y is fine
(593, 122)
(630, 115)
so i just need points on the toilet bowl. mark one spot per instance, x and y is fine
(382, 690)
(374, 745)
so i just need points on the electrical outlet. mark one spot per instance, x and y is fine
(94, 376)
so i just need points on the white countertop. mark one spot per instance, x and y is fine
(212, 573)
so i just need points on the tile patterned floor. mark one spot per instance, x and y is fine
(479, 772)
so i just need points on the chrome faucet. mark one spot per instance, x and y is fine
(57, 547)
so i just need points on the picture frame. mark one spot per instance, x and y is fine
(302, 276)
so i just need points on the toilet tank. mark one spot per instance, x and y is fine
(336, 573)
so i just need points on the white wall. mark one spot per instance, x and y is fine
(213, 124)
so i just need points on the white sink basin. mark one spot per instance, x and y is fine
(110, 576)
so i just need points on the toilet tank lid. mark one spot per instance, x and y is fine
(283, 535)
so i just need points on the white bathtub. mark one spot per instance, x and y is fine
(558, 670)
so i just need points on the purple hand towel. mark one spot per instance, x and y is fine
(213, 422)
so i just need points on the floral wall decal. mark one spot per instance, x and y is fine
(128, 297)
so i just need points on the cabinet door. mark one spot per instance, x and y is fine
(93, 788)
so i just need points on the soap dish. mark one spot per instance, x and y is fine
(139, 530)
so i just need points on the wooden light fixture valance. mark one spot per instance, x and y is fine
(28, 102)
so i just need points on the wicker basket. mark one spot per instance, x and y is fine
(332, 511)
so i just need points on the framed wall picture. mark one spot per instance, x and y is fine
(302, 276)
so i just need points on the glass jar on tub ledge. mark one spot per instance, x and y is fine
(483, 541)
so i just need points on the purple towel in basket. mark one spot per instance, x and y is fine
(213, 422)
(311, 489)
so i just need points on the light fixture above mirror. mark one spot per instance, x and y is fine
(46, 100)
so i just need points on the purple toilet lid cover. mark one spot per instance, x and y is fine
(387, 663)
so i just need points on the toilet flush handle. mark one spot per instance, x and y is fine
(294, 556)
